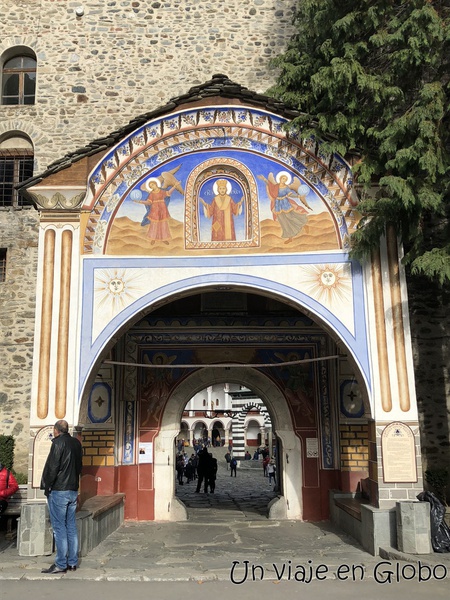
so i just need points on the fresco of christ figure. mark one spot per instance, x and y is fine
(222, 211)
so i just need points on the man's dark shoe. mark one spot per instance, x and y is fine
(54, 569)
(70, 568)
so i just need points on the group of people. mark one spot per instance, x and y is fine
(199, 444)
(269, 465)
(206, 471)
(186, 467)
(201, 466)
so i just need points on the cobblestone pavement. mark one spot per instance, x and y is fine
(245, 496)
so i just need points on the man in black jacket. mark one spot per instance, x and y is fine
(60, 480)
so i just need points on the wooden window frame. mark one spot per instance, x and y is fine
(21, 72)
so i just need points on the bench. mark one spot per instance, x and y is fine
(15, 503)
(100, 504)
(351, 506)
(97, 518)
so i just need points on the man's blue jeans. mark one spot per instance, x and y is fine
(62, 507)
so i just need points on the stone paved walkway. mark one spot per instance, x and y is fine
(245, 496)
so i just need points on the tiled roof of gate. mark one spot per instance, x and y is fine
(218, 86)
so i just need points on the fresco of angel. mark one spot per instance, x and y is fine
(155, 388)
(283, 192)
(157, 215)
(298, 387)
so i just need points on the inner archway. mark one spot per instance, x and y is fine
(218, 491)
(289, 504)
(178, 349)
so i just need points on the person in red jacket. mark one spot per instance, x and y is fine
(8, 487)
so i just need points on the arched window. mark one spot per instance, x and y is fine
(19, 80)
(16, 165)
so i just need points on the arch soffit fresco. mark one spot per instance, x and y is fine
(355, 342)
(162, 142)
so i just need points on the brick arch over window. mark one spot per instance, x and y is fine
(18, 76)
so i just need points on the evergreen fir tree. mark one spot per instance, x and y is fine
(372, 76)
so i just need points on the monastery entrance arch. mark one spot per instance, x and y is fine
(164, 351)
(212, 196)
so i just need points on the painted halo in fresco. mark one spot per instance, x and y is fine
(216, 189)
(280, 174)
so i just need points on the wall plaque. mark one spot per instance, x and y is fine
(398, 451)
(41, 448)
(312, 448)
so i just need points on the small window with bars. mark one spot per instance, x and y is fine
(2, 265)
(16, 165)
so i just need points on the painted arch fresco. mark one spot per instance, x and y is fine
(221, 180)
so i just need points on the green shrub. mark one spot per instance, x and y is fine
(7, 444)
(438, 479)
(21, 478)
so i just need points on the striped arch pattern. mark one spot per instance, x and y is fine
(241, 406)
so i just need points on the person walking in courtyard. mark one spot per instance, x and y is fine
(211, 473)
(265, 462)
(228, 459)
(60, 482)
(202, 469)
(271, 469)
(233, 467)
(180, 468)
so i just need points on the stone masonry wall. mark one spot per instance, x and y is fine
(124, 58)
(95, 73)
(430, 327)
(18, 233)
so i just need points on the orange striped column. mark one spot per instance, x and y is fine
(46, 324)
(397, 320)
(63, 326)
(380, 325)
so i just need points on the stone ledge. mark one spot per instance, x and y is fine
(98, 517)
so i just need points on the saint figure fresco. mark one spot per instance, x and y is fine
(157, 215)
(222, 211)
